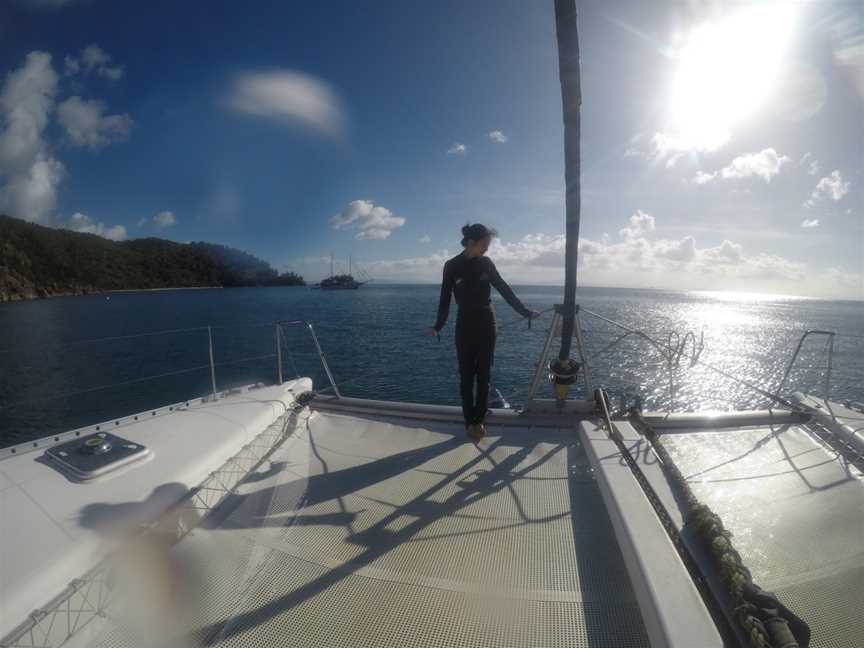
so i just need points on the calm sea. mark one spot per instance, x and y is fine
(69, 362)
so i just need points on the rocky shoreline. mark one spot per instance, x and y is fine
(12, 290)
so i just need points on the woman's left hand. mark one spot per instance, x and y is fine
(534, 314)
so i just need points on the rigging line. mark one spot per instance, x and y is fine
(100, 387)
(229, 362)
(137, 335)
(369, 374)
(106, 339)
(284, 344)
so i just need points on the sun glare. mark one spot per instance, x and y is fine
(726, 69)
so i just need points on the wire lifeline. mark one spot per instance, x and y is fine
(451, 341)
(665, 350)
(101, 387)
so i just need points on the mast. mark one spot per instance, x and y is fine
(331, 265)
(571, 99)
(349, 265)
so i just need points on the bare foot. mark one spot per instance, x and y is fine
(482, 427)
(474, 431)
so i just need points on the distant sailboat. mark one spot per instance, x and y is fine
(343, 281)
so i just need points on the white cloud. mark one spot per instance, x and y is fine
(425, 238)
(32, 194)
(639, 223)
(683, 250)
(82, 223)
(765, 164)
(86, 125)
(372, 234)
(93, 59)
(497, 136)
(665, 147)
(810, 161)
(703, 178)
(668, 148)
(26, 101)
(371, 222)
(832, 186)
(810, 222)
(727, 253)
(671, 147)
(164, 219)
(457, 149)
(288, 96)
(29, 174)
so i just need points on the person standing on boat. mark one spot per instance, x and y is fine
(470, 276)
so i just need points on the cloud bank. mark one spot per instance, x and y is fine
(636, 258)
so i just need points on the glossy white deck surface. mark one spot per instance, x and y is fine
(53, 530)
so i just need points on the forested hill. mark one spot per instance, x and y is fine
(37, 261)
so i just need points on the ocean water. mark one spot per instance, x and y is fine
(73, 361)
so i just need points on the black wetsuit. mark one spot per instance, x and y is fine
(471, 280)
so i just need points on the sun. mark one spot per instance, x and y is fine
(726, 69)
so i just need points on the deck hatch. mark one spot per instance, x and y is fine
(95, 455)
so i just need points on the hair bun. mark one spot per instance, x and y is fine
(466, 230)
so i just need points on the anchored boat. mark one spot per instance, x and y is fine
(343, 281)
(292, 514)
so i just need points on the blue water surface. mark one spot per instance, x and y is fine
(73, 361)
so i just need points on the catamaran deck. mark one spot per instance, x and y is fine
(365, 523)
(362, 532)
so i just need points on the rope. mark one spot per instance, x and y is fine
(708, 526)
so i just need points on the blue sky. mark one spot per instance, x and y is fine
(722, 143)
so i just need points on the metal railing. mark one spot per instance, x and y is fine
(318, 348)
(830, 349)
(686, 347)
(125, 363)
(211, 361)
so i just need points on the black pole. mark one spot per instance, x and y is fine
(571, 99)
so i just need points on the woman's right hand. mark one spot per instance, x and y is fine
(430, 332)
